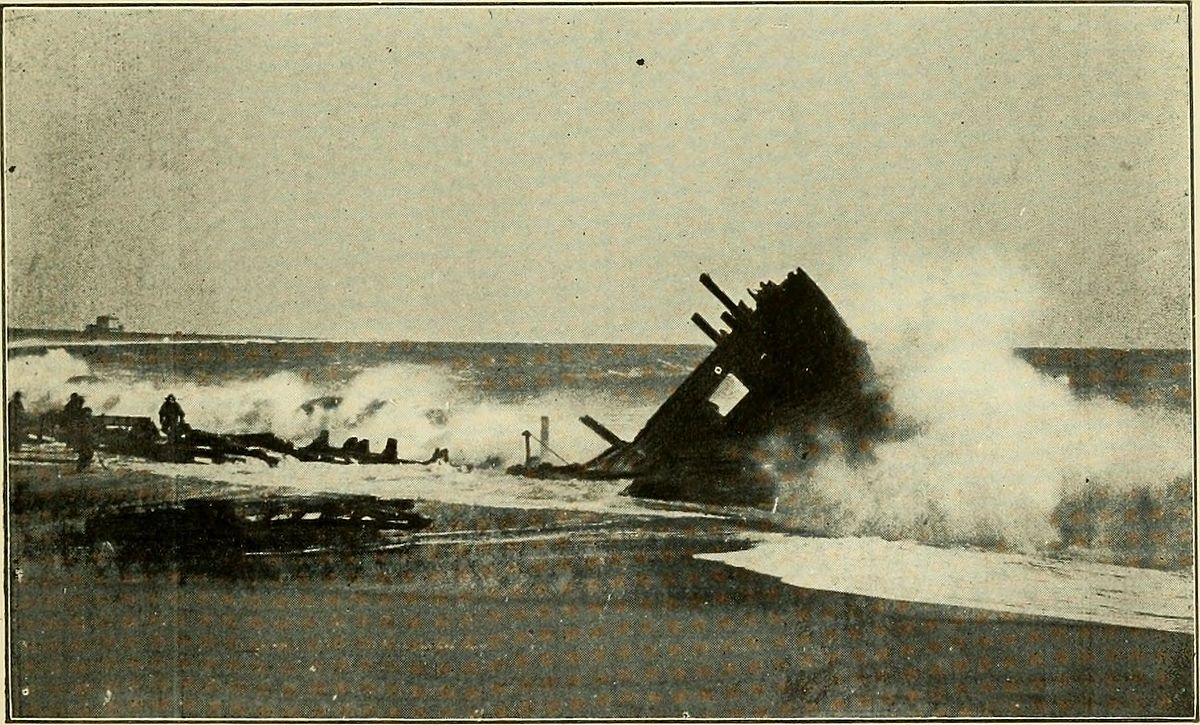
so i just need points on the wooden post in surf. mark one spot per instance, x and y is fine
(545, 436)
(528, 453)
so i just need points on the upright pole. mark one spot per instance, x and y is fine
(545, 435)
(528, 453)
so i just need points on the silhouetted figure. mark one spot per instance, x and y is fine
(73, 409)
(170, 417)
(69, 420)
(16, 422)
(79, 429)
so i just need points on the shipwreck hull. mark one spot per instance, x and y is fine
(787, 385)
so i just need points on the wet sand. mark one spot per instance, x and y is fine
(521, 613)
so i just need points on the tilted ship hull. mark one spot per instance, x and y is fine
(796, 384)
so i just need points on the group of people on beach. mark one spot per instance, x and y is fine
(76, 423)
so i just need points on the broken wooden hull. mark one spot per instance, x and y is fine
(804, 388)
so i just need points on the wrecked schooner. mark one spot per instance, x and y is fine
(787, 385)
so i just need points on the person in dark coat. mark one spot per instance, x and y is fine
(16, 422)
(170, 417)
(80, 427)
(73, 409)
(67, 423)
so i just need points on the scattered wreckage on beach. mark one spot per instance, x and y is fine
(787, 385)
(139, 437)
(225, 537)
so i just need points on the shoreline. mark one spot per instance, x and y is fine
(613, 615)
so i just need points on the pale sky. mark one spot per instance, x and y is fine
(515, 173)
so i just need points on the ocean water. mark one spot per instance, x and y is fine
(1032, 449)
(473, 398)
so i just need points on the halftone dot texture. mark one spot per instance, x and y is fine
(622, 624)
(634, 629)
(557, 173)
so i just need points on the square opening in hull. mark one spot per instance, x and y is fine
(728, 394)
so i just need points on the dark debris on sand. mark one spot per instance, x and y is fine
(518, 613)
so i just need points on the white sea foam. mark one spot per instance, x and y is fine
(422, 406)
(1010, 583)
(999, 444)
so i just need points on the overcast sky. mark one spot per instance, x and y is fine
(564, 174)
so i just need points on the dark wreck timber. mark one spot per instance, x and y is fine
(138, 437)
(223, 536)
(787, 384)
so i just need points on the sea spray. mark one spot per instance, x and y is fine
(998, 447)
(423, 406)
(43, 379)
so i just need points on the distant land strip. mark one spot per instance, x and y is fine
(55, 336)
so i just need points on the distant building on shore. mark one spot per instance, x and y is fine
(104, 325)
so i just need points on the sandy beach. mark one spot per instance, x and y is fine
(507, 612)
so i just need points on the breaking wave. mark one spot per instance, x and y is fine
(1003, 456)
(1000, 456)
(422, 406)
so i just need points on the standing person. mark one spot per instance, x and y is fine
(16, 422)
(66, 423)
(170, 417)
(73, 409)
(80, 427)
